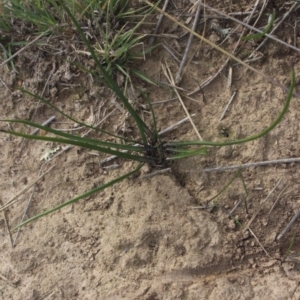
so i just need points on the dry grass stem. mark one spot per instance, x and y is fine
(173, 86)
(171, 53)
(235, 207)
(274, 29)
(254, 28)
(289, 225)
(7, 226)
(256, 164)
(275, 202)
(25, 212)
(164, 101)
(21, 50)
(156, 173)
(263, 6)
(15, 199)
(263, 248)
(227, 106)
(209, 80)
(111, 167)
(169, 76)
(263, 75)
(5, 85)
(178, 76)
(261, 204)
(47, 122)
(171, 127)
(229, 80)
(160, 18)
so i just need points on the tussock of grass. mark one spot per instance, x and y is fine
(148, 148)
(106, 24)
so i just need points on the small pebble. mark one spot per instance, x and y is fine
(225, 152)
(231, 224)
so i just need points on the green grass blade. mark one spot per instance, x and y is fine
(84, 195)
(72, 119)
(186, 150)
(289, 250)
(188, 153)
(80, 144)
(112, 84)
(79, 138)
(155, 131)
(30, 12)
(259, 35)
(247, 139)
(237, 173)
(143, 76)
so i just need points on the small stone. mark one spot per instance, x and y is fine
(231, 224)
(265, 222)
(78, 106)
(246, 235)
(51, 243)
(225, 152)
(270, 238)
(214, 38)
(53, 91)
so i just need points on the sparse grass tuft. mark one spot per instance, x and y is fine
(148, 148)
(110, 27)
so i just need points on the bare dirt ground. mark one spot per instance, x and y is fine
(144, 238)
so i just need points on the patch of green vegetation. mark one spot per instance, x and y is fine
(148, 148)
(110, 27)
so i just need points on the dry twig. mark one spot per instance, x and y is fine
(36, 131)
(289, 225)
(274, 29)
(6, 225)
(260, 206)
(21, 50)
(160, 18)
(225, 110)
(178, 76)
(259, 243)
(256, 164)
(254, 28)
(169, 76)
(156, 173)
(275, 202)
(209, 80)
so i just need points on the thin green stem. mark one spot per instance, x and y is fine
(112, 84)
(250, 138)
(84, 195)
(237, 173)
(83, 145)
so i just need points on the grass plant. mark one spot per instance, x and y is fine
(148, 148)
(107, 24)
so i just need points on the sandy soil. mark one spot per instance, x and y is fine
(154, 238)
